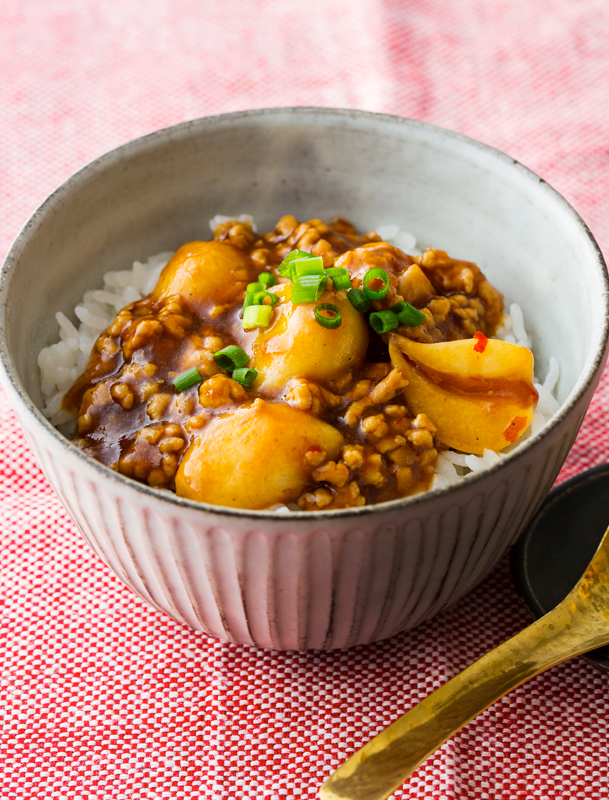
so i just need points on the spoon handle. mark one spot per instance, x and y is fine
(579, 624)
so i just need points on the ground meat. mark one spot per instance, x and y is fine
(220, 390)
(132, 418)
(475, 305)
(454, 295)
(308, 396)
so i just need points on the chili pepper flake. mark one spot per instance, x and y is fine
(481, 342)
(514, 429)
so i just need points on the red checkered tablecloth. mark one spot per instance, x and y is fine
(102, 698)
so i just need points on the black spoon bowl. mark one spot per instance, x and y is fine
(559, 543)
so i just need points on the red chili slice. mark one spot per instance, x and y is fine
(514, 429)
(481, 342)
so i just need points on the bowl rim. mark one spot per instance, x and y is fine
(12, 383)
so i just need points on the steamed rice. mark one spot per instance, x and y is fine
(61, 363)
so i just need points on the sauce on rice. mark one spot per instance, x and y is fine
(326, 423)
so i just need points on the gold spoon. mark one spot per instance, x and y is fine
(579, 624)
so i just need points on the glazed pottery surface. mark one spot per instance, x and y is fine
(320, 580)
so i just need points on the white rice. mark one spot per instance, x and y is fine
(62, 362)
(403, 239)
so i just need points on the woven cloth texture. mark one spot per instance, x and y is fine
(102, 697)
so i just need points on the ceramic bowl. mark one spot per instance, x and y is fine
(325, 579)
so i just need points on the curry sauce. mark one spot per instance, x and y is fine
(326, 423)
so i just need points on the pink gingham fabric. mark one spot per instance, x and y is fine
(102, 698)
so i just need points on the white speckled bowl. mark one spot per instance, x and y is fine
(321, 580)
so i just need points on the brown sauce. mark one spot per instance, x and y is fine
(131, 417)
(482, 388)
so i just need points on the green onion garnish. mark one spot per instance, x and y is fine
(259, 298)
(358, 300)
(398, 307)
(340, 278)
(257, 317)
(308, 288)
(254, 288)
(187, 379)
(313, 265)
(250, 292)
(409, 315)
(231, 357)
(376, 275)
(267, 278)
(327, 322)
(383, 321)
(244, 376)
(285, 268)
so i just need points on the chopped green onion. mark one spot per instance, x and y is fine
(340, 278)
(358, 300)
(376, 275)
(250, 292)
(267, 278)
(398, 307)
(383, 321)
(410, 316)
(244, 376)
(257, 316)
(285, 268)
(231, 357)
(313, 265)
(259, 298)
(328, 322)
(308, 288)
(187, 379)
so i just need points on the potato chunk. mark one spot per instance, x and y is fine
(478, 392)
(295, 345)
(414, 286)
(205, 274)
(254, 457)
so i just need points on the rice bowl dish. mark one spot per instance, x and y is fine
(331, 578)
